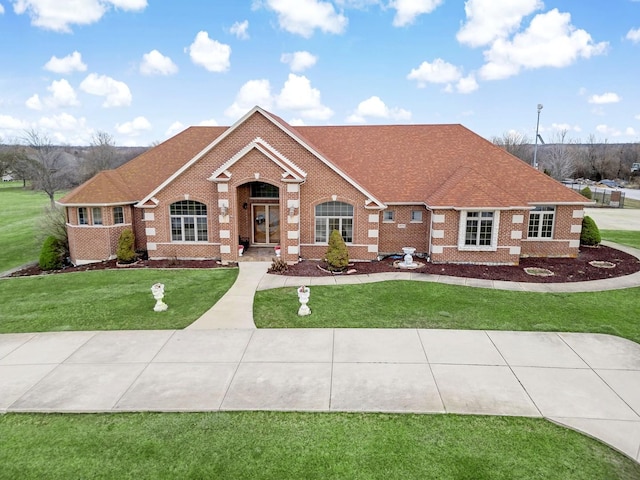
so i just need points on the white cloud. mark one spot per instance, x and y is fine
(154, 63)
(66, 65)
(66, 129)
(60, 16)
(8, 122)
(208, 123)
(134, 127)
(549, 41)
(637, 117)
(116, 93)
(488, 20)
(174, 128)
(608, 97)
(210, 54)
(561, 127)
(630, 131)
(63, 121)
(34, 102)
(303, 17)
(358, 4)
(374, 107)
(633, 35)
(297, 122)
(239, 29)
(607, 130)
(467, 84)
(1, 9)
(408, 10)
(298, 94)
(299, 61)
(252, 93)
(62, 95)
(437, 72)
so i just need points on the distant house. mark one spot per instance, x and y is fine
(7, 178)
(442, 189)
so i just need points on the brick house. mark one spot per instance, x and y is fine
(442, 189)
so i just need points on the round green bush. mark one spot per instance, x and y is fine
(337, 253)
(126, 252)
(50, 257)
(590, 233)
(586, 192)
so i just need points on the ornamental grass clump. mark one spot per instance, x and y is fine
(337, 254)
(590, 235)
(51, 254)
(126, 252)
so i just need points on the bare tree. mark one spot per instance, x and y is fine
(102, 155)
(517, 144)
(46, 167)
(559, 157)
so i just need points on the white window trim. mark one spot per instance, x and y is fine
(421, 217)
(326, 219)
(182, 227)
(478, 248)
(553, 225)
(389, 220)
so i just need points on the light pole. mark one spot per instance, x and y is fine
(535, 148)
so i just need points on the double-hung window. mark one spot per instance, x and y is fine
(83, 216)
(118, 215)
(478, 230)
(188, 221)
(334, 216)
(541, 222)
(96, 214)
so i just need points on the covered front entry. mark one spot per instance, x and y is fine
(266, 224)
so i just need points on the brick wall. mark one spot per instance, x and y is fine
(566, 235)
(402, 232)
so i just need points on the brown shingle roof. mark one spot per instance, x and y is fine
(440, 165)
(143, 174)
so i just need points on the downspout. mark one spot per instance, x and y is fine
(430, 234)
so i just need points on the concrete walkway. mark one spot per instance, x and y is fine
(588, 382)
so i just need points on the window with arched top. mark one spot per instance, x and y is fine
(334, 216)
(188, 221)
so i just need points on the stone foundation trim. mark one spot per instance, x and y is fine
(437, 234)
(516, 234)
(437, 249)
(576, 228)
(151, 246)
(372, 248)
(149, 216)
(225, 233)
(437, 218)
(150, 232)
(373, 233)
(225, 249)
(374, 218)
(578, 213)
(514, 250)
(293, 250)
(293, 235)
(517, 219)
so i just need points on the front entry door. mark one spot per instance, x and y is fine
(266, 224)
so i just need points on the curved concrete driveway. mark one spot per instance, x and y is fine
(589, 382)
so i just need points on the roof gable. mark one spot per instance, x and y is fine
(290, 171)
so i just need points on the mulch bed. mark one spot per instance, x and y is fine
(564, 269)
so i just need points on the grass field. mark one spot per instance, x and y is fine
(19, 217)
(271, 445)
(109, 299)
(624, 237)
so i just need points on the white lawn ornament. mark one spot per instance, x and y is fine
(157, 290)
(303, 297)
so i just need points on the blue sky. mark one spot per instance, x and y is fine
(142, 70)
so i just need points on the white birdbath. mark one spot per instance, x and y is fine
(303, 297)
(157, 290)
(408, 259)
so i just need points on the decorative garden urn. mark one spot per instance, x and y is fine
(303, 297)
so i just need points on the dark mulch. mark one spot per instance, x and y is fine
(564, 269)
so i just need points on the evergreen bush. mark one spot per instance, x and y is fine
(590, 233)
(586, 192)
(50, 254)
(126, 242)
(337, 254)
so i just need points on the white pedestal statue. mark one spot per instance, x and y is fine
(158, 293)
(303, 297)
(408, 259)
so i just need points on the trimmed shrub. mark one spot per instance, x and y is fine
(586, 192)
(50, 254)
(590, 233)
(125, 252)
(337, 254)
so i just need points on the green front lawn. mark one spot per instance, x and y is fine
(109, 299)
(269, 445)
(623, 237)
(18, 220)
(407, 304)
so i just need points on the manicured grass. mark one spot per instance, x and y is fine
(109, 299)
(624, 237)
(268, 445)
(407, 304)
(18, 220)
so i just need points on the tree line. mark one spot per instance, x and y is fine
(50, 168)
(563, 158)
